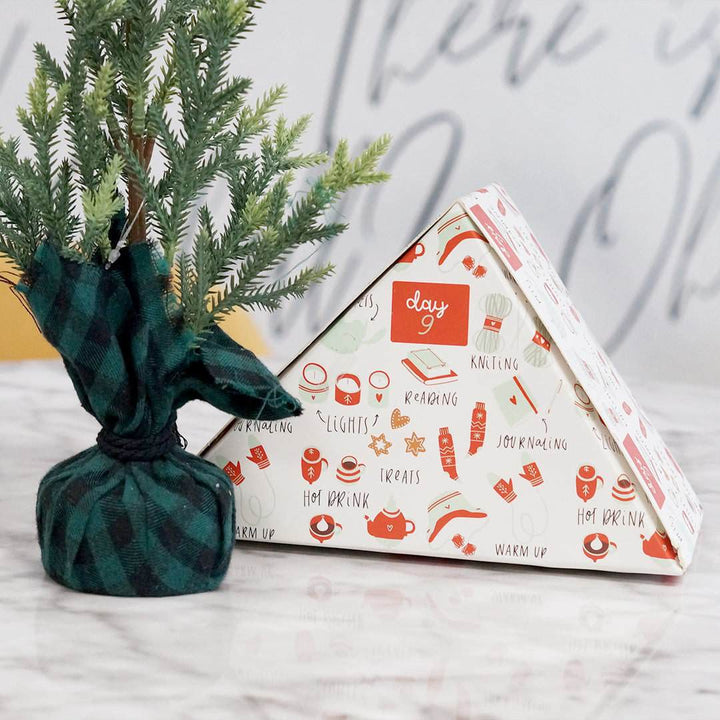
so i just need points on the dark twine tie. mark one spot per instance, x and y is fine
(144, 449)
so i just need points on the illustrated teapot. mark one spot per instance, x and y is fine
(658, 545)
(389, 525)
(346, 335)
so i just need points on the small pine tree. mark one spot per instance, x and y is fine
(141, 77)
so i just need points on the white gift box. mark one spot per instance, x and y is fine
(461, 408)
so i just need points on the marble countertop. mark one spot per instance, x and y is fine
(304, 633)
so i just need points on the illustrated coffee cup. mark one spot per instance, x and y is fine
(379, 382)
(311, 464)
(323, 527)
(623, 489)
(596, 546)
(413, 253)
(349, 469)
(586, 482)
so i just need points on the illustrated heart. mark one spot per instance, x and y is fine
(390, 528)
(513, 400)
(312, 396)
(398, 420)
(378, 396)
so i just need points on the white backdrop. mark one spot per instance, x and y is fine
(601, 118)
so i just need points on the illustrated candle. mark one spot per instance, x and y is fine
(477, 427)
(447, 452)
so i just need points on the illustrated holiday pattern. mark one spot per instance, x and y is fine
(460, 408)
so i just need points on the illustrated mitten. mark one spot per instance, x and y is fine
(478, 271)
(504, 488)
(259, 456)
(233, 471)
(531, 472)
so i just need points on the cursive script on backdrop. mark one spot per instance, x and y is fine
(469, 29)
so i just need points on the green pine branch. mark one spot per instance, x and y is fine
(99, 206)
(144, 79)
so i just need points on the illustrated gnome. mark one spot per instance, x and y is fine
(134, 317)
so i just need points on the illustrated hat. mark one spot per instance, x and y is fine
(447, 507)
(453, 231)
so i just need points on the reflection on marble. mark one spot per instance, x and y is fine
(304, 633)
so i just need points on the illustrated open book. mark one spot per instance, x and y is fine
(428, 368)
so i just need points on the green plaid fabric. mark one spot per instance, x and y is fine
(162, 526)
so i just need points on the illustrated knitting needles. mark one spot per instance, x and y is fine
(552, 400)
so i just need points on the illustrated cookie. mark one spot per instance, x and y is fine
(398, 420)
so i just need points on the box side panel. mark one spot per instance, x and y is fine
(668, 490)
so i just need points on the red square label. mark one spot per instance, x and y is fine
(430, 313)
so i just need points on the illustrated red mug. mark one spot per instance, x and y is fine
(311, 464)
(586, 482)
(413, 253)
(349, 469)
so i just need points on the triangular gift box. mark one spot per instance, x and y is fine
(461, 408)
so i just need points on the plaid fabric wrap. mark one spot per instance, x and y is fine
(139, 527)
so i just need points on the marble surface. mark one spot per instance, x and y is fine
(305, 633)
